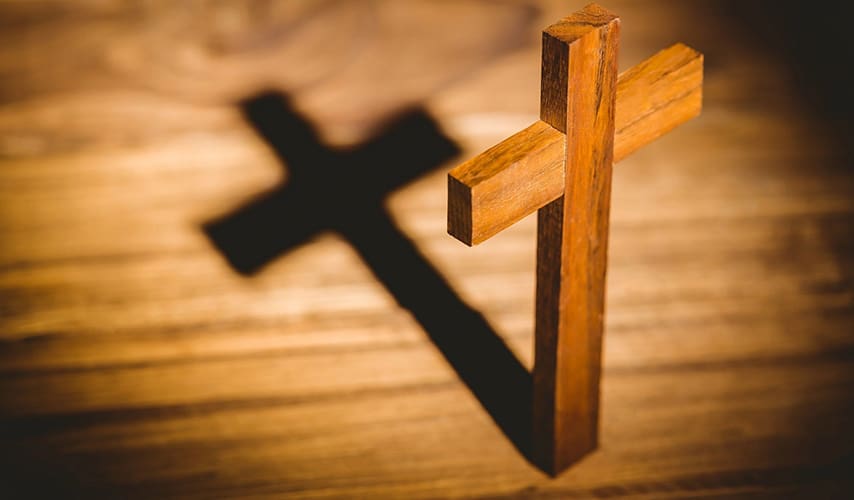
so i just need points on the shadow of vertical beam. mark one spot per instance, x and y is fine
(472, 347)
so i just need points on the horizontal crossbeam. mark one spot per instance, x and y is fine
(525, 172)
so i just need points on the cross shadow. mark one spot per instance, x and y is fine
(344, 191)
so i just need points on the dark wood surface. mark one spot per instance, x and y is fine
(137, 362)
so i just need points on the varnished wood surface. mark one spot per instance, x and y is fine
(524, 172)
(135, 362)
(578, 97)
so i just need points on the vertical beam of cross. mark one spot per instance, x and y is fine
(578, 97)
(561, 167)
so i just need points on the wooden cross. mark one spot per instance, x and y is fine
(561, 167)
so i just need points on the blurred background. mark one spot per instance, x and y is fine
(224, 267)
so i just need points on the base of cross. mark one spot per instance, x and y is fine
(561, 167)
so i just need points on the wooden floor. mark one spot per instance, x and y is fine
(135, 361)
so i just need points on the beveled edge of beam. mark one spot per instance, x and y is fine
(481, 184)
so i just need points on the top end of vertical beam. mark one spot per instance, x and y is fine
(557, 39)
(578, 24)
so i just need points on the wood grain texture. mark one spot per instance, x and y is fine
(135, 363)
(524, 172)
(572, 238)
(504, 183)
